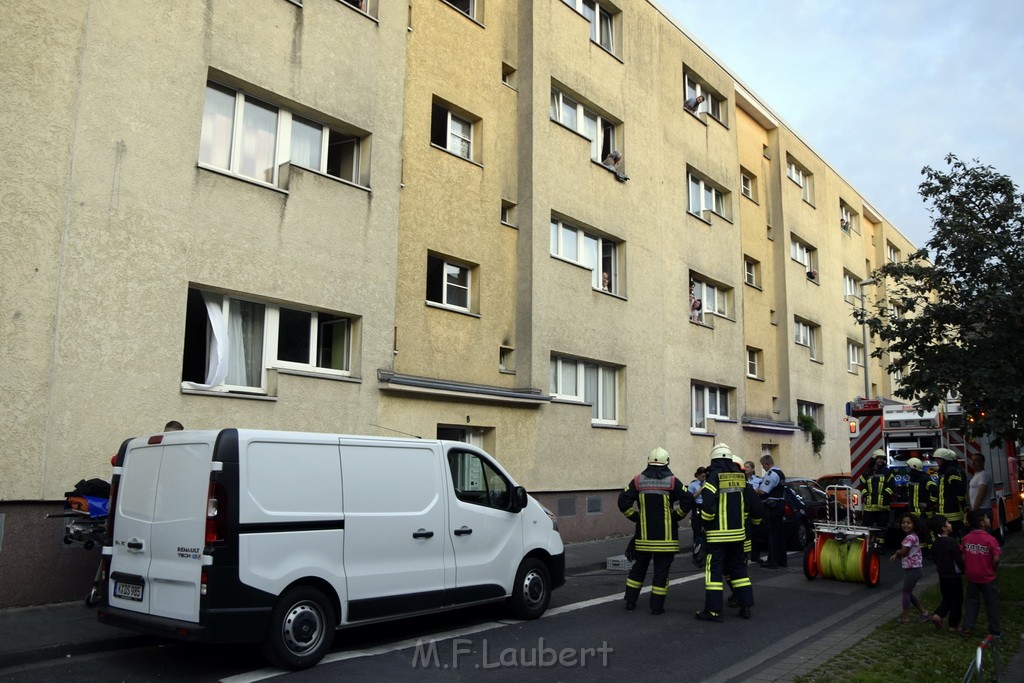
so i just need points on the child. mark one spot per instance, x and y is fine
(950, 565)
(981, 559)
(912, 560)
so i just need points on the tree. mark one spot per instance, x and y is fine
(963, 328)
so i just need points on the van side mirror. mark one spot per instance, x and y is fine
(518, 498)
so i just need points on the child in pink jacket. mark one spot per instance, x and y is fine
(981, 558)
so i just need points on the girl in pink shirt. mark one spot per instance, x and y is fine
(912, 560)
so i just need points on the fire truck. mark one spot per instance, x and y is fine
(905, 432)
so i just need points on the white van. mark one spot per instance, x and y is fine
(240, 535)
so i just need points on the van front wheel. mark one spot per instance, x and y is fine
(531, 591)
(301, 629)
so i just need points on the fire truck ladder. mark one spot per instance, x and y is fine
(974, 671)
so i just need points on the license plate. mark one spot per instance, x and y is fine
(128, 591)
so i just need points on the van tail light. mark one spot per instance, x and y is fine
(216, 514)
(203, 578)
(856, 498)
(787, 509)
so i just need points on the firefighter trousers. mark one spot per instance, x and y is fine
(726, 559)
(659, 583)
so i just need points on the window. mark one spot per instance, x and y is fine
(477, 482)
(805, 255)
(448, 283)
(594, 127)
(602, 21)
(847, 218)
(806, 334)
(508, 75)
(892, 254)
(365, 6)
(508, 213)
(505, 359)
(854, 355)
(850, 286)
(467, 7)
(599, 254)
(751, 272)
(587, 382)
(451, 131)
(707, 401)
(713, 299)
(811, 410)
(251, 138)
(705, 198)
(748, 184)
(230, 341)
(801, 177)
(712, 103)
(753, 362)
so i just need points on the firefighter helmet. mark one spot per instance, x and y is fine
(915, 464)
(659, 457)
(738, 460)
(944, 454)
(721, 451)
(878, 453)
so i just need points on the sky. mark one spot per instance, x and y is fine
(880, 88)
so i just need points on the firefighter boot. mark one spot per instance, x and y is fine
(632, 593)
(658, 594)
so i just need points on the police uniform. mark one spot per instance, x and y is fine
(773, 484)
(951, 496)
(728, 502)
(654, 493)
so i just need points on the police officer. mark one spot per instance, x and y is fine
(728, 502)
(750, 472)
(655, 493)
(951, 496)
(772, 490)
(872, 485)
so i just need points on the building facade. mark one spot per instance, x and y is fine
(484, 220)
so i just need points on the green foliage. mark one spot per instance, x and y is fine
(918, 652)
(964, 328)
(808, 424)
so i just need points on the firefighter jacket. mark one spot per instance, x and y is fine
(654, 492)
(728, 503)
(952, 492)
(921, 491)
(873, 490)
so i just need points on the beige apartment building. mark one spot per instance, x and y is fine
(396, 218)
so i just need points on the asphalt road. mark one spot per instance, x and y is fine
(586, 634)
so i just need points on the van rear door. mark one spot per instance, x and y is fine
(160, 523)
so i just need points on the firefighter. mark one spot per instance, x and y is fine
(872, 485)
(951, 497)
(655, 491)
(921, 498)
(728, 502)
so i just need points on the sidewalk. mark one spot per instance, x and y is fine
(70, 629)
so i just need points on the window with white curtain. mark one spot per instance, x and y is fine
(598, 253)
(252, 138)
(587, 382)
(705, 198)
(806, 334)
(707, 401)
(602, 21)
(230, 341)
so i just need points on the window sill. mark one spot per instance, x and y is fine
(356, 10)
(341, 181)
(462, 311)
(510, 87)
(510, 225)
(473, 19)
(607, 51)
(457, 156)
(754, 286)
(702, 432)
(242, 178)
(750, 199)
(701, 323)
(319, 375)
(506, 371)
(756, 378)
(606, 425)
(228, 394)
(699, 217)
(700, 116)
(808, 202)
(620, 176)
(611, 294)
(570, 402)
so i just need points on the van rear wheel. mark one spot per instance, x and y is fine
(531, 591)
(301, 629)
